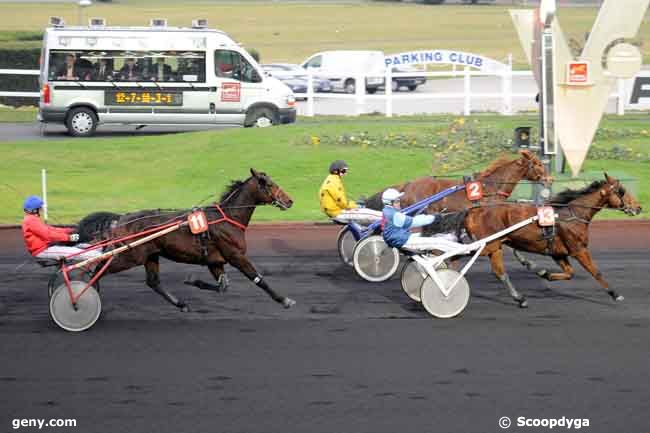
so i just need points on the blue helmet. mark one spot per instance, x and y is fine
(32, 203)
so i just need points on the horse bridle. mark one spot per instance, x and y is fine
(275, 201)
(620, 193)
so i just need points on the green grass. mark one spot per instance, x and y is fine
(177, 171)
(292, 31)
(13, 115)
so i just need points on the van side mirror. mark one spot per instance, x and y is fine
(256, 78)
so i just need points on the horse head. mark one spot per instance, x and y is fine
(534, 168)
(268, 192)
(617, 197)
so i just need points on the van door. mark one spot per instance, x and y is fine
(238, 86)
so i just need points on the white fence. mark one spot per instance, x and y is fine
(19, 72)
(504, 94)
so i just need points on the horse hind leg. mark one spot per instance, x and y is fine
(566, 274)
(219, 275)
(527, 263)
(587, 262)
(496, 260)
(153, 280)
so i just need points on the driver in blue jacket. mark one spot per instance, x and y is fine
(397, 226)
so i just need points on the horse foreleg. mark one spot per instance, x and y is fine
(219, 275)
(496, 260)
(566, 274)
(242, 263)
(153, 280)
(528, 264)
(587, 262)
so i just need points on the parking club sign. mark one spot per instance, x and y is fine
(445, 57)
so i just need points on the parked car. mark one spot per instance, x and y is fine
(410, 82)
(344, 66)
(296, 78)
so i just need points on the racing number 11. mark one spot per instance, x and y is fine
(198, 222)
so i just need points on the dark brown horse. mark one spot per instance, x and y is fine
(499, 179)
(569, 239)
(225, 241)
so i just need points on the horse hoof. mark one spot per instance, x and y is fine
(288, 302)
(523, 303)
(615, 296)
(184, 308)
(542, 273)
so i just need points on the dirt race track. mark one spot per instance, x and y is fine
(349, 357)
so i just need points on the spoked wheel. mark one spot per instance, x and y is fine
(78, 274)
(375, 261)
(346, 242)
(439, 305)
(413, 275)
(86, 313)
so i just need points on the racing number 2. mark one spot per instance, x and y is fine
(474, 190)
(198, 222)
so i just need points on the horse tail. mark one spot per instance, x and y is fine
(447, 223)
(96, 226)
(374, 201)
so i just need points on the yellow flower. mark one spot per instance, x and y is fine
(315, 140)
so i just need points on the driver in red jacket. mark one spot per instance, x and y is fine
(40, 237)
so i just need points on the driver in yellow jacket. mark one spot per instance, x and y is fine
(335, 203)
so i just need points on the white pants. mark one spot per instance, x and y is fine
(56, 252)
(442, 242)
(361, 216)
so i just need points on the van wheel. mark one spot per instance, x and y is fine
(371, 91)
(81, 122)
(412, 88)
(261, 118)
(350, 87)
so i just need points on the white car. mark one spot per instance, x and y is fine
(295, 77)
(344, 66)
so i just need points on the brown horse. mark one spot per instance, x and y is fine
(225, 241)
(499, 179)
(570, 237)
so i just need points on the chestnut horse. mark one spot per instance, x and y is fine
(499, 179)
(224, 242)
(575, 208)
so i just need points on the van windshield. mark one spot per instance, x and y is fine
(159, 66)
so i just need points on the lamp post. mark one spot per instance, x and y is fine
(82, 4)
(546, 99)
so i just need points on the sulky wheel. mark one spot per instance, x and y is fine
(375, 261)
(413, 275)
(86, 313)
(439, 305)
(78, 274)
(345, 242)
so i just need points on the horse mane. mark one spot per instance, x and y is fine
(232, 188)
(495, 165)
(568, 195)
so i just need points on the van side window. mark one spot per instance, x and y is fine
(231, 64)
(158, 66)
(315, 62)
